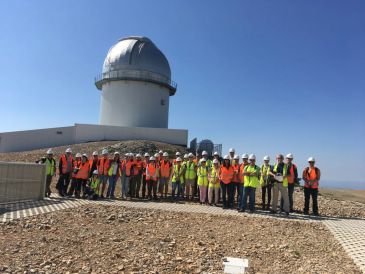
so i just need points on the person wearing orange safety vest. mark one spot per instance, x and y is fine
(74, 181)
(93, 163)
(103, 168)
(237, 177)
(82, 176)
(144, 181)
(137, 174)
(113, 174)
(65, 170)
(311, 176)
(151, 178)
(226, 176)
(165, 173)
(128, 173)
(292, 180)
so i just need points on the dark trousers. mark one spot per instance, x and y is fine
(138, 181)
(144, 183)
(48, 185)
(291, 199)
(62, 183)
(132, 187)
(308, 192)
(266, 190)
(74, 187)
(195, 188)
(227, 190)
(250, 193)
(152, 186)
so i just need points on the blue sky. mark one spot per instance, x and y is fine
(261, 76)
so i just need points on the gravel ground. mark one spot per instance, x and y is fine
(110, 239)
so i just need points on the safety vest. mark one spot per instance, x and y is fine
(151, 172)
(252, 181)
(311, 175)
(165, 169)
(190, 172)
(214, 178)
(128, 168)
(236, 177)
(242, 169)
(50, 166)
(112, 165)
(94, 184)
(75, 167)
(264, 178)
(144, 167)
(138, 165)
(285, 172)
(178, 173)
(64, 163)
(103, 166)
(203, 176)
(83, 172)
(227, 174)
(291, 174)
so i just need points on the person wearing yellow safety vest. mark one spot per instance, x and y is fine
(311, 176)
(280, 173)
(251, 182)
(50, 163)
(202, 174)
(190, 175)
(214, 186)
(292, 180)
(114, 173)
(242, 181)
(92, 188)
(266, 183)
(177, 178)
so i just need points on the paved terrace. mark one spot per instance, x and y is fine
(350, 232)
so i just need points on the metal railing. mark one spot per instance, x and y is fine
(21, 181)
(137, 75)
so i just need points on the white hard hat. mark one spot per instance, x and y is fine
(104, 151)
(78, 155)
(178, 154)
(289, 156)
(126, 155)
(204, 153)
(186, 156)
(165, 154)
(215, 161)
(160, 152)
(244, 156)
(231, 150)
(311, 159)
(116, 153)
(84, 155)
(49, 151)
(156, 155)
(131, 154)
(191, 155)
(266, 158)
(252, 157)
(95, 172)
(236, 157)
(95, 153)
(146, 155)
(203, 160)
(178, 159)
(216, 153)
(152, 158)
(226, 157)
(138, 155)
(69, 150)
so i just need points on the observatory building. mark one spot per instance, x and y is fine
(135, 86)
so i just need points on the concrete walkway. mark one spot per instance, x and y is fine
(349, 232)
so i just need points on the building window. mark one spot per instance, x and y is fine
(163, 102)
(59, 132)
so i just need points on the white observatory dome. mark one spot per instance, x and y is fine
(135, 85)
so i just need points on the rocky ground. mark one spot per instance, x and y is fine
(110, 239)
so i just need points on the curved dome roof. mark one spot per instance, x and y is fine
(136, 58)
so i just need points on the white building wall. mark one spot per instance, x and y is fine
(134, 104)
(38, 138)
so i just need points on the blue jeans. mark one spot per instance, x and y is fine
(241, 191)
(227, 189)
(125, 187)
(250, 192)
(175, 185)
(111, 188)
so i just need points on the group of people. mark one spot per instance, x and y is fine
(211, 179)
